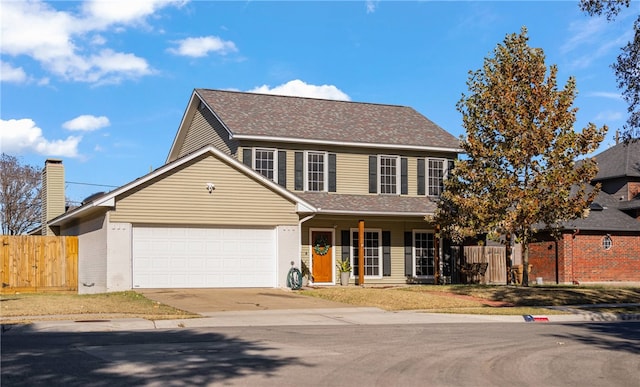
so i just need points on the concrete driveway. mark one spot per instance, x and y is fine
(202, 301)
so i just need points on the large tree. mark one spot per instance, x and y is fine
(521, 170)
(20, 202)
(627, 65)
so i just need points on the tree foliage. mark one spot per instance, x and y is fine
(627, 65)
(520, 169)
(20, 202)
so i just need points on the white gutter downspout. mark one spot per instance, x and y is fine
(300, 238)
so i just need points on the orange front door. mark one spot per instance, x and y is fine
(322, 256)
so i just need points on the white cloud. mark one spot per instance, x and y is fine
(609, 115)
(9, 73)
(124, 11)
(86, 123)
(37, 30)
(298, 88)
(201, 46)
(605, 94)
(98, 40)
(23, 136)
(63, 44)
(371, 6)
(592, 39)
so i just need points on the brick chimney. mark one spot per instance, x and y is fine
(53, 200)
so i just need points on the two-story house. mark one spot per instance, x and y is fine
(256, 183)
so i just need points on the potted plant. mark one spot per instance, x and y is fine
(344, 267)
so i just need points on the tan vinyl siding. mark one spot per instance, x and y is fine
(412, 173)
(352, 173)
(182, 198)
(53, 200)
(291, 170)
(204, 130)
(397, 227)
(352, 165)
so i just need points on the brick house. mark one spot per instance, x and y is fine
(604, 247)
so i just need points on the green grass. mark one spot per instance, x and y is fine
(482, 299)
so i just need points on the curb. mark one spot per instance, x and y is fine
(307, 317)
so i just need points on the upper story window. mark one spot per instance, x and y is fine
(436, 170)
(270, 163)
(265, 162)
(314, 171)
(389, 174)
(316, 175)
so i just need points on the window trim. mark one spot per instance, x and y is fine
(325, 170)
(413, 251)
(275, 161)
(607, 242)
(398, 180)
(427, 175)
(380, 251)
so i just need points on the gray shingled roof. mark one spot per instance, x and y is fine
(250, 114)
(609, 218)
(376, 204)
(619, 161)
(629, 204)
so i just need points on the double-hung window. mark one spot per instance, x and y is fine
(436, 173)
(316, 171)
(265, 162)
(372, 253)
(389, 174)
(423, 254)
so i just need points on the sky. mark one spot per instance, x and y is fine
(103, 85)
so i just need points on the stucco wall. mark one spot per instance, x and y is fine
(119, 268)
(92, 254)
(286, 252)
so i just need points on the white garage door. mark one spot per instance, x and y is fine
(182, 257)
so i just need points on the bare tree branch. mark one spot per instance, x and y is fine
(20, 202)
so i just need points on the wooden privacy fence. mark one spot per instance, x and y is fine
(39, 263)
(495, 256)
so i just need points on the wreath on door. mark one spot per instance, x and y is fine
(321, 246)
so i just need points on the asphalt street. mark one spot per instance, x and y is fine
(435, 354)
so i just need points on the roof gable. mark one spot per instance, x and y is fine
(604, 216)
(621, 160)
(109, 199)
